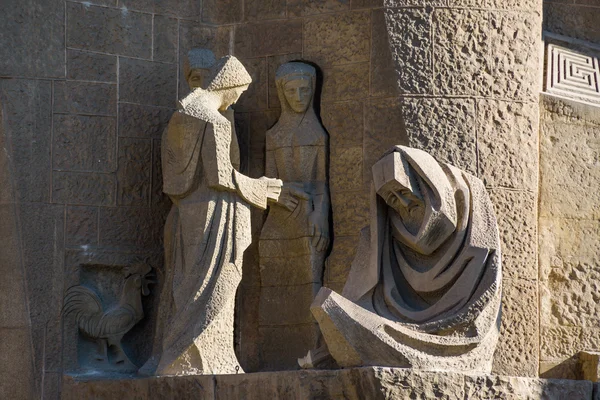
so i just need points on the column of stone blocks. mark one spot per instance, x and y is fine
(468, 75)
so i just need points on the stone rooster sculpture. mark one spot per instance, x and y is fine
(107, 327)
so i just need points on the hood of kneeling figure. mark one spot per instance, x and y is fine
(420, 196)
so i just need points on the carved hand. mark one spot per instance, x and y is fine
(273, 187)
(318, 226)
(290, 196)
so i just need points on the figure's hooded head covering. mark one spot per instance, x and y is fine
(228, 73)
(198, 59)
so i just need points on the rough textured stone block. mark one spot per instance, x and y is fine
(384, 128)
(27, 122)
(255, 98)
(188, 9)
(198, 387)
(130, 228)
(91, 66)
(273, 64)
(85, 98)
(222, 11)
(82, 226)
(256, 10)
(32, 38)
(345, 82)
(517, 349)
(147, 82)
(283, 345)
(143, 121)
(409, 32)
(268, 38)
(560, 342)
(134, 176)
(83, 188)
(84, 143)
(462, 52)
(515, 212)
(340, 259)
(428, 128)
(109, 30)
(300, 8)
(286, 305)
(384, 79)
(344, 123)
(508, 144)
(336, 39)
(493, 387)
(166, 32)
(350, 212)
(134, 389)
(346, 168)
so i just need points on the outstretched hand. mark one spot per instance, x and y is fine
(273, 187)
(291, 195)
(318, 227)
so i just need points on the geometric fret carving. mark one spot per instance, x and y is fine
(572, 74)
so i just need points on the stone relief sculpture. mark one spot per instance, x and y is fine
(424, 290)
(108, 326)
(206, 231)
(295, 236)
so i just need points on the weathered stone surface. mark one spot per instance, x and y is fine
(283, 345)
(268, 38)
(134, 175)
(147, 82)
(83, 188)
(384, 79)
(428, 128)
(350, 212)
(301, 8)
(384, 128)
(336, 39)
(256, 10)
(141, 231)
(507, 144)
(109, 30)
(15, 364)
(222, 11)
(81, 226)
(186, 9)
(32, 39)
(255, 98)
(344, 123)
(340, 259)
(166, 32)
(578, 22)
(517, 350)
(345, 82)
(286, 305)
(143, 121)
(159, 198)
(375, 383)
(411, 48)
(517, 223)
(346, 168)
(84, 143)
(85, 98)
(27, 120)
(86, 66)
(493, 387)
(560, 342)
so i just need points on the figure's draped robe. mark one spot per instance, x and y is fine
(206, 233)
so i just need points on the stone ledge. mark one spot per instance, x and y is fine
(356, 383)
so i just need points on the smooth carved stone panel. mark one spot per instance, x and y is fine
(83, 188)
(73, 97)
(384, 79)
(109, 30)
(572, 73)
(344, 123)
(147, 82)
(81, 226)
(165, 38)
(187, 9)
(86, 66)
(300, 8)
(257, 10)
(345, 82)
(134, 175)
(268, 38)
(143, 121)
(573, 21)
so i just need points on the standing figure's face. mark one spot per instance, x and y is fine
(197, 78)
(298, 93)
(231, 96)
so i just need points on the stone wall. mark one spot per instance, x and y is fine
(569, 224)
(574, 18)
(469, 77)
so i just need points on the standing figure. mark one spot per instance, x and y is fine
(295, 237)
(207, 230)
